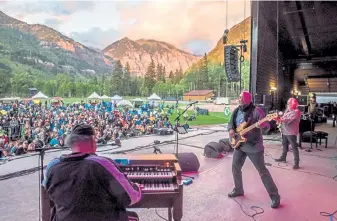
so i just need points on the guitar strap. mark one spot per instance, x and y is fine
(248, 111)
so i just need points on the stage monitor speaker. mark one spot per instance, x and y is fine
(267, 100)
(188, 162)
(225, 145)
(231, 63)
(258, 99)
(213, 150)
(302, 100)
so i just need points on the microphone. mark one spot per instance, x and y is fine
(195, 102)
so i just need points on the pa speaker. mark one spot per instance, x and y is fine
(213, 150)
(225, 145)
(188, 162)
(231, 63)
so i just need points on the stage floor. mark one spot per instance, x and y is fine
(304, 193)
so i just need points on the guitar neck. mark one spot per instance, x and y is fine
(251, 127)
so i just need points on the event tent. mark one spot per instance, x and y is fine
(39, 96)
(105, 97)
(94, 96)
(154, 96)
(124, 103)
(116, 98)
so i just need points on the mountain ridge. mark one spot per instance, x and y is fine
(238, 32)
(138, 53)
(52, 39)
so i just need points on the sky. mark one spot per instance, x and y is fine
(190, 25)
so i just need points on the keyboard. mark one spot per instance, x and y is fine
(160, 177)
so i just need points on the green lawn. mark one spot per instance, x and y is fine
(212, 118)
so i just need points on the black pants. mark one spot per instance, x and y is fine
(257, 159)
(128, 216)
(292, 140)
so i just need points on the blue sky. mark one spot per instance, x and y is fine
(194, 26)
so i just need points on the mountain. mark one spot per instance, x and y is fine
(140, 52)
(47, 49)
(236, 33)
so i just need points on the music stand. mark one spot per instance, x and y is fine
(179, 129)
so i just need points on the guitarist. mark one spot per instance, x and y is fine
(253, 148)
(290, 122)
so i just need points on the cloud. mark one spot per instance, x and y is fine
(53, 22)
(51, 7)
(96, 37)
(192, 25)
(183, 23)
(198, 47)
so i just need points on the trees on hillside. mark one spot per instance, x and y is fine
(207, 75)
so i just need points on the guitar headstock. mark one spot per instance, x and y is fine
(273, 116)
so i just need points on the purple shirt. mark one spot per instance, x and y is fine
(291, 122)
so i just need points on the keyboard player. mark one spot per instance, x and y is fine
(85, 187)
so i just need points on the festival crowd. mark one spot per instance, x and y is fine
(24, 125)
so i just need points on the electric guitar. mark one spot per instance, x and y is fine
(242, 130)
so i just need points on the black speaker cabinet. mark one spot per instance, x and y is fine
(258, 99)
(188, 162)
(213, 150)
(231, 63)
(302, 100)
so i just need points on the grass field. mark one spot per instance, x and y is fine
(211, 119)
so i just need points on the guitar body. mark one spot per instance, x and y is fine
(239, 136)
(237, 140)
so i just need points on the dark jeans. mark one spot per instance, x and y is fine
(292, 140)
(257, 159)
(128, 216)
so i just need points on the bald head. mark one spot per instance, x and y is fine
(245, 98)
(292, 104)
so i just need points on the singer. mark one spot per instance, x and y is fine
(290, 122)
(85, 187)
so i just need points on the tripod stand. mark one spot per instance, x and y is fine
(180, 130)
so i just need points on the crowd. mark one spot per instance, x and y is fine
(26, 125)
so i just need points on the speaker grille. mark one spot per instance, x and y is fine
(231, 63)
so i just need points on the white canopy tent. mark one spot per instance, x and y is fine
(39, 96)
(116, 98)
(154, 96)
(94, 96)
(105, 97)
(124, 103)
(138, 100)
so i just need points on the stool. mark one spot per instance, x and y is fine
(322, 135)
(309, 135)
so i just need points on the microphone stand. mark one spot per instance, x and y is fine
(177, 120)
(45, 204)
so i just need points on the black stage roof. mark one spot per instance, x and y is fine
(308, 42)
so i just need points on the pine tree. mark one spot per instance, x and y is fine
(117, 79)
(164, 74)
(150, 76)
(178, 75)
(127, 79)
(171, 76)
(204, 73)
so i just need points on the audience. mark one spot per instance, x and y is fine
(23, 124)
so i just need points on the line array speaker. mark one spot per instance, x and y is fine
(231, 63)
